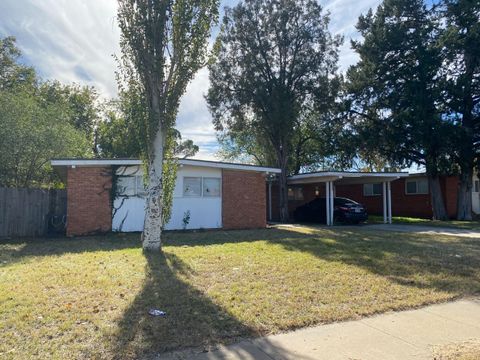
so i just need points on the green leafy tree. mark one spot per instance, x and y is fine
(118, 121)
(12, 73)
(319, 142)
(164, 43)
(395, 94)
(276, 63)
(461, 74)
(82, 104)
(31, 134)
(33, 129)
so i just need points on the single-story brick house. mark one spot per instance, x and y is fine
(410, 195)
(108, 195)
(105, 195)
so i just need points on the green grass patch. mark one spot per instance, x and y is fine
(89, 297)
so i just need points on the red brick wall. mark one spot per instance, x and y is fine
(402, 204)
(89, 207)
(450, 188)
(244, 200)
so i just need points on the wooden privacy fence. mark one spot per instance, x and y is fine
(31, 212)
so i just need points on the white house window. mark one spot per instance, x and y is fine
(372, 189)
(476, 186)
(418, 186)
(130, 186)
(295, 193)
(211, 187)
(192, 186)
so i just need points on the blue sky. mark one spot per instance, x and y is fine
(74, 41)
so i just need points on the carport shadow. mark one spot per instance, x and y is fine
(192, 320)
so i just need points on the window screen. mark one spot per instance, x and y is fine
(411, 187)
(211, 187)
(192, 186)
(295, 193)
(298, 193)
(291, 194)
(419, 186)
(422, 186)
(372, 189)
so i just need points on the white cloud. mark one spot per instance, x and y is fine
(74, 40)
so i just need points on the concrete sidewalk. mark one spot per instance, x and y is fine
(400, 335)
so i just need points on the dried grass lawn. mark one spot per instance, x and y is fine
(89, 297)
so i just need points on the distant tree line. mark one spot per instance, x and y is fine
(41, 120)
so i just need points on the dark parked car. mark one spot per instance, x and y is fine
(345, 210)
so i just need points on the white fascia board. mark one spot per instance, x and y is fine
(337, 175)
(324, 175)
(95, 162)
(222, 165)
(311, 179)
(131, 162)
(376, 174)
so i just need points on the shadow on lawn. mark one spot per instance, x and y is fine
(192, 321)
(424, 261)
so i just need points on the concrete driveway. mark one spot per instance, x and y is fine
(418, 229)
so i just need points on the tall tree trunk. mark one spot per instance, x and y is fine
(467, 156)
(282, 159)
(438, 205)
(464, 196)
(152, 229)
(283, 196)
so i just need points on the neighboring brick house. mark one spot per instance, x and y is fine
(105, 195)
(410, 196)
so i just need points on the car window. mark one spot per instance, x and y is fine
(344, 201)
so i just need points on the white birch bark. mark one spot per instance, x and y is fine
(152, 229)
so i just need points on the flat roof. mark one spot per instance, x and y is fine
(345, 177)
(191, 162)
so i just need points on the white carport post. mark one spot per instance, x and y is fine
(384, 202)
(332, 197)
(327, 201)
(389, 200)
(329, 197)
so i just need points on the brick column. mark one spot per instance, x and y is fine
(244, 200)
(89, 208)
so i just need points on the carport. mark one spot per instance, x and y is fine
(333, 178)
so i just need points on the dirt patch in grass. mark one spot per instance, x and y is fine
(89, 297)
